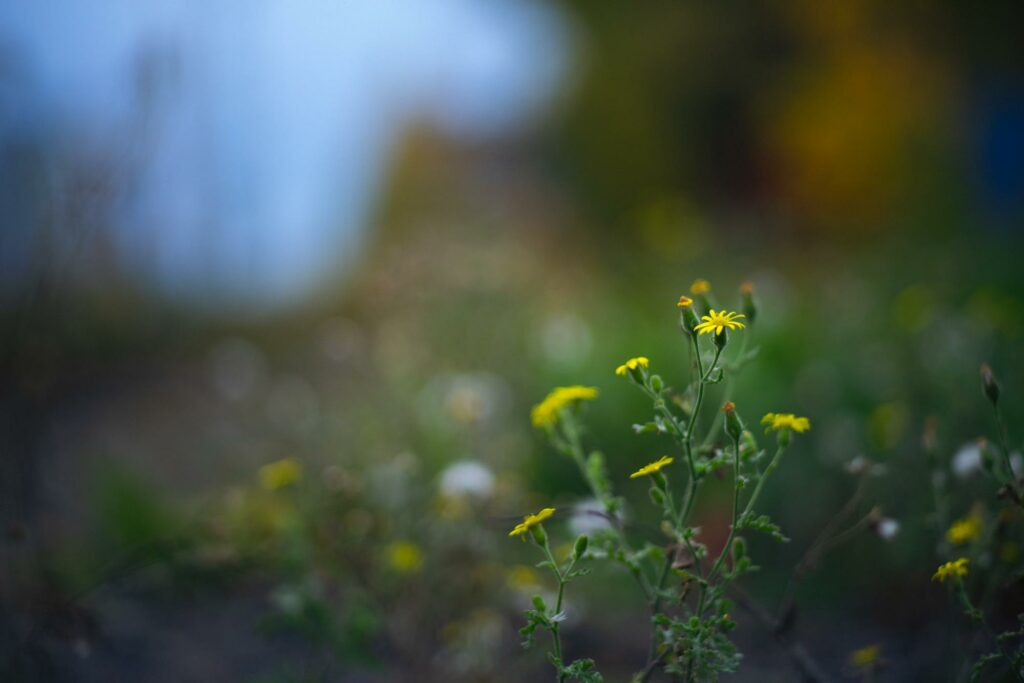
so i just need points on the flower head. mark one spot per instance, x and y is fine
(964, 529)
(684, 302)
(545, 413)
(700, 286)
(277, 475)
(652, 468)
(716, 321)
(632, 364)
(530, 521)
(866, 657)
(779, 421)
(956, 569)
(405, 557)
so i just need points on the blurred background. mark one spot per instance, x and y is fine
(357, 241)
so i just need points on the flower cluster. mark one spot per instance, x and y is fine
(546, 412)
(776, 422)
(277, 475)
(956, 569)
(691, 621)
(964, 530)
(632, 364)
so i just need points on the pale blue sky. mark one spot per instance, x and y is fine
(270, 122)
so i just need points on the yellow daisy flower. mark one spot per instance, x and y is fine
(778, 421)
(277, 475)
(652, 468)
(865, 657)
(700, 286)
(632, 364)
(405, 557)
(716, 321)
(956, 569)
(545, 413)
(530, 521)
(964, 530)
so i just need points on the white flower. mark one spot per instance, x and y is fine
(967, 460)
(887, 528)
(467, 477)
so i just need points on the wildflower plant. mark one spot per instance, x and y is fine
(982, 558)
(683, 581)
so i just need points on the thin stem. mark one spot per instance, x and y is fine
(730, 384)
(977, 615)
(779, 450)
(562, 581)
(686, 438)
(735, 509)
(574, 448)
(823, 542)
(1005, 447)
(809, 667)
(711, 368)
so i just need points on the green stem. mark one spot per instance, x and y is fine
(730, 384)
(711, 368)
(735, 509)
(977, 615)
(1005, 448)
(574, 448)
(562, 581)
(760, 482)
(686, 438)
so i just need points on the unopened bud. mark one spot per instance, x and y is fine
(989, 384)
(580, 547)
(657, 384)
(687, 317)
(733, 423)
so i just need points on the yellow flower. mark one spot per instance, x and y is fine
(652, 467)
(523, 577)
(779, 421)
(684, 302)
(718, 321)
(277, 475)
(632, 364)
(530, 521)
(866, 657)
(545, 413)
(964, 529)
(956, 569)
(405, 557)
(700, 286)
